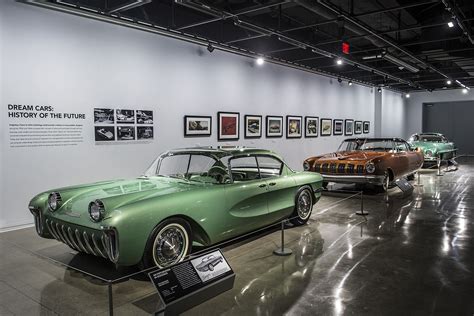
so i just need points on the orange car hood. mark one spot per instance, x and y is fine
(350, 156)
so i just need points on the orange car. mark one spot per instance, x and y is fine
(377, 161)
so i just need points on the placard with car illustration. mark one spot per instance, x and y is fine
(274, 126)
(338, 127)
(253, 126)
(311, 126)
(196, 125)
(326, 127)
(210, 266)
(293, 126)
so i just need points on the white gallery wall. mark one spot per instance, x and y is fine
(75, 64)
(414, 106)
(392, 114)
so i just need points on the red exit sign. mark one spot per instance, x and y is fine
(345, 48)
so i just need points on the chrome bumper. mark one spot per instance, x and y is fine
(366, 179)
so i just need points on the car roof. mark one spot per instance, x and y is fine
(430, 134)
(223, 151)
(394, 139)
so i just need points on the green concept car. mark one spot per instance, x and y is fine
(199, 196)
(433, 145)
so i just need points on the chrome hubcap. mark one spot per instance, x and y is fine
(170, 245)
(304, 205)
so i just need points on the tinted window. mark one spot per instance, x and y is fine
(244, 169)
(269, 166)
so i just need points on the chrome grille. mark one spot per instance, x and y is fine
(79, 239)
(341, 168)
(360, 169)
(350, 168)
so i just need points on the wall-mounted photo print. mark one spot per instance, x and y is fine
(228, 125)
(311, 126)
(125, 132)
(274, 126)
(195, 125)
(293, 126)
(144, 117)
(253, 126)
(358, 127)
(338, 126)
(144, 132)
(366, 127)
(104, 133)
(103, 116)
(349, 127)
(326, 127)
(125, 116)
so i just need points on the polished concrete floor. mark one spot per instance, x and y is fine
(412, 255)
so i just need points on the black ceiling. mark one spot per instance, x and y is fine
(386, 37)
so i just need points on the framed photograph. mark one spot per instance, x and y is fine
(125, 132)
(144, 132)
(104, 133)
(311, 126)
(293, 126)
(366, 127)
(274, 126)
(326, 127)
(144, 117)
(253, 126)
(348, 127)
(228, 125)
(125, 116)
(104, 116)
(337, 127)
(358, 127)
(197, 126)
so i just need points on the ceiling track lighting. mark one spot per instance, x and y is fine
(292, 42)
(350, 82)
(260, 61)
(407, 95)
(379, 90)
(400, 63)
(339, 80)
(450, 24)
(339, 61)
(448, 82)
(210, 48)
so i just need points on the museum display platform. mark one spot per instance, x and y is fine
(411, 255)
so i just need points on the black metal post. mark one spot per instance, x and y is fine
(361, 212)
(111, 302)
(282, 251)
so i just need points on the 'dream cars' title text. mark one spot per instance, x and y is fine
(40, 111)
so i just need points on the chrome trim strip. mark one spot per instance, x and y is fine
(353, 178)
(104, 243)
(69, 242)
(97, 246)
(86, 242)
(48, 224)
(56, 230)
(71, 238)
(79, 241)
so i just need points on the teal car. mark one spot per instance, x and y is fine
(433, 146)
(198, 196)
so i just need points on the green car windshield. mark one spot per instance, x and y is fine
(428, 138)
(190, 166)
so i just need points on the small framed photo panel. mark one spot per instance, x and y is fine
(104, 133)
(274, 126)
(253, 126)
(338, 127)
(125, 132)
(293, 126)
(197, 126)
(125, 116)
(326, 127)
(349, 127)
(104, 116)
(366, 127)
(311, 126)
(228, 126)
(358, 127)
(144, 117)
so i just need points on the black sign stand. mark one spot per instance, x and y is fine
(192, 282)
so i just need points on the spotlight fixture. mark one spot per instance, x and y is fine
(350, 83)
(339, 61)
(448, 82)
(464, 91)
(210, 48)
(260, 61)
(450, 24)
(379, 89)
(407, 95)
(339, 80)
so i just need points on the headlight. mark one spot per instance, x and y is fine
(428, 153)
(54, 200)
(306, 166)
(370, 167)
(96, 210)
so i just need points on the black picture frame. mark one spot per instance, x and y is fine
(323, 123)
(298, 131)
(268, 125)
(366, 127)
(198, 132)
(246, 126)
(357, 127)
(311, 118)
(337, 121)
(220, 126)
(348, 127)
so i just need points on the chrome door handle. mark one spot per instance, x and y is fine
(262, 185)
(272, 184)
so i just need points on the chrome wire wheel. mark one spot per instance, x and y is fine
(304, 204)
(170, 245)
